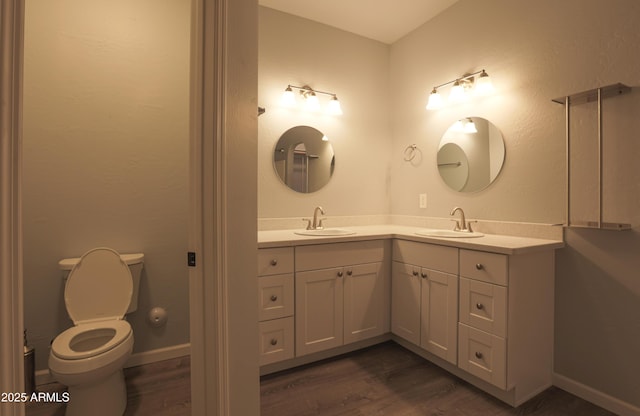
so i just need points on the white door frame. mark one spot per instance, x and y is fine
(222, 225)
(11, 300)
(223, 216)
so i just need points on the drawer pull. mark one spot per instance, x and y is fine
(424, 275)
(479, 306)
(479, 355)
(274, 262)
(274, 298)
(275, 342)
(479, 266)
(349, 272)
(340, 274)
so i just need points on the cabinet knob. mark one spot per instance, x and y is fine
(479, 266)
(349, 272)
(424, 275)
(274, 298)
(275, 341)
(479, 355)
(274, 262)
(415, 273)
(340, 274)
(479, 306)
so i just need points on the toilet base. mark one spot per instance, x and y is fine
(106, 398)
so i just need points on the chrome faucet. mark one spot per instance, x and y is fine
(317, 223)
(461, 225)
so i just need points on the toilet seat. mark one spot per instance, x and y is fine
(99, 287)
(90, 339)
(97, 295)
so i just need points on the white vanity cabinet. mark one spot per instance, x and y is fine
(506, 320)
(342, 294)
(424, 304)
(276, 304)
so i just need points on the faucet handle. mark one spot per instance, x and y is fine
(469, 225)
(457, 227)
(308, 223)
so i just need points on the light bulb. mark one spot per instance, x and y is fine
(288, 97)
(311, 101)
(458, 127)
(334, 106)
(457, 93)
(435, 100)
(483, 84)
(470, 126)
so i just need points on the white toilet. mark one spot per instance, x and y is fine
(101, 288)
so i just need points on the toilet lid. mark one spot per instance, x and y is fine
(99, 287)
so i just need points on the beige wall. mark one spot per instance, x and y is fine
(105, 154)
(534, 51)
(298, 52)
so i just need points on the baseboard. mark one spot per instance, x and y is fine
(140, 358)
(160, 354)
(594, 396)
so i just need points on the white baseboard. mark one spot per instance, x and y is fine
(160, 354)
(594, 396)
(140, 358)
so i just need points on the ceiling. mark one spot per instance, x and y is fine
(382, 20)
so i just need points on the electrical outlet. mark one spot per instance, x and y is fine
(423, 200)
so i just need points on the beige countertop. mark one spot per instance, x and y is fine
(489, 242)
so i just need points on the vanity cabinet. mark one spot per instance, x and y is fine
(424, 304)
(341, 293)
(276, 304)
(505, 333)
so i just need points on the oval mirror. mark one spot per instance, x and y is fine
(303, 159)
(471, 154)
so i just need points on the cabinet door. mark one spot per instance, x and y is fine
(439, 315)
(405, 302)
(363, 302)
(319, 310)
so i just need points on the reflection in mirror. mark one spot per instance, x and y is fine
(471, 154)
(303, 159)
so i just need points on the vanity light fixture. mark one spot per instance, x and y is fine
(470, 126)
(461, 88)
(311, 101)
(465, 125)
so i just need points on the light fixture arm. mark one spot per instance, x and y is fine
(305, 89)
(464, 78)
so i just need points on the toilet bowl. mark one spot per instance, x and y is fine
(89, 357)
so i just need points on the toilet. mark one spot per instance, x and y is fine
(101, 287)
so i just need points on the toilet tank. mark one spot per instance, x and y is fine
(135, 261)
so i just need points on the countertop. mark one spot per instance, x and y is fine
(502, 244)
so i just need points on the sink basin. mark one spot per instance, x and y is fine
(448, 233)
(325, 232)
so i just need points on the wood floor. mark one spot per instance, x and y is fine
(382, 380)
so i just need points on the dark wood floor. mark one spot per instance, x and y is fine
(382, 380)
(158, 389)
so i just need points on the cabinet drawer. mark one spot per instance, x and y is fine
(276, 296)
(275, 261)
(432, 256)
(484, 306)
(488, 267)
(483, 355)
(276, 340)
(323, 256)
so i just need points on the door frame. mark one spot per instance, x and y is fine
(11, 293)
(223, 207)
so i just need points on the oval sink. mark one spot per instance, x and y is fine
(325, 232)
(448, 234)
